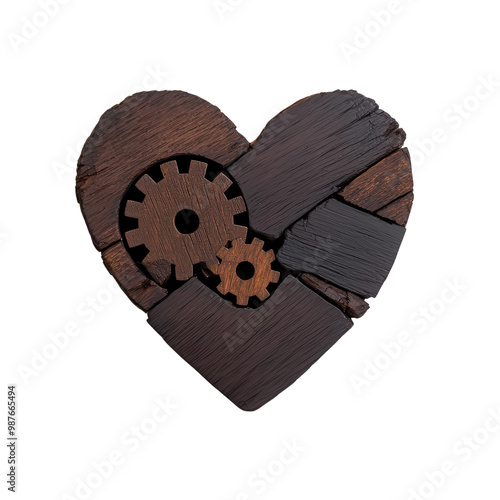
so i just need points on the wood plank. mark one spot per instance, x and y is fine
(250, 355)
(399, 210)
(343, 245)
(383, 183)
(143, 292)
(143, 130)
(349, 303)
(308, 152)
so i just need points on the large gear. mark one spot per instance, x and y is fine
(245, 270)
(183, 220)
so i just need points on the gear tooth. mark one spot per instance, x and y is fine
(275, 277)
(242, 300)
(238, 243)
(223, 182)
(256, 243)
(197, 168)
(169, 169)
(237, 206)
(222, 288)
(271, 257)
(263, 294)
(240, 232)
(133, 209)
(134, 237)
(145, 184)
(222, 253)
(183, 271)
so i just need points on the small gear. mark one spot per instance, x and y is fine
(183, 220)
(245, 270)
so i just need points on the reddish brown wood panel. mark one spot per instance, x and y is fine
(343, 245)
(383, 183)
(349, 303)
(250, 355)
(399, 210)
(143, 292)
(308, 152)
(143, 130)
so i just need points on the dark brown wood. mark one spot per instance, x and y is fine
(250, 355)
(399, 210)
(143, 130)
(383, 183)
(343, 245)
(143, 292)
(349, 303)
(163, 219)
(308, 152)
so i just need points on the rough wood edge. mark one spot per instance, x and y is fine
(398, 211)
(143, 292)
(348, 302)
(381, 184)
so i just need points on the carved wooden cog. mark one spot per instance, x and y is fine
(245, 270)
(184, 219)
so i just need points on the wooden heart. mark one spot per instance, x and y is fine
(250, 259)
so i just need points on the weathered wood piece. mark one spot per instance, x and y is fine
(399, 210)
(250, 355)
(308, 152)
(143, 130)
(343, 245)
(143, 292)
(184, 219)
(383, 183)
(349, 303)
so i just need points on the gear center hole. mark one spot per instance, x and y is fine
(187, 221)
(245, 270)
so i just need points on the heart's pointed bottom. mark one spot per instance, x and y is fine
(250, 355)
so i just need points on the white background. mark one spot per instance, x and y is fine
(252, 60)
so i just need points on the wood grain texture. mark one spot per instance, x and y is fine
(168, 211)
(349, 303)
(145, 129)
(383, 183)
(253, 278)
(250, 355)
(308, 152)
(343, 245)
(399, 210)
(143, 292)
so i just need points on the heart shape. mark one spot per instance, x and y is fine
(250, 259)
